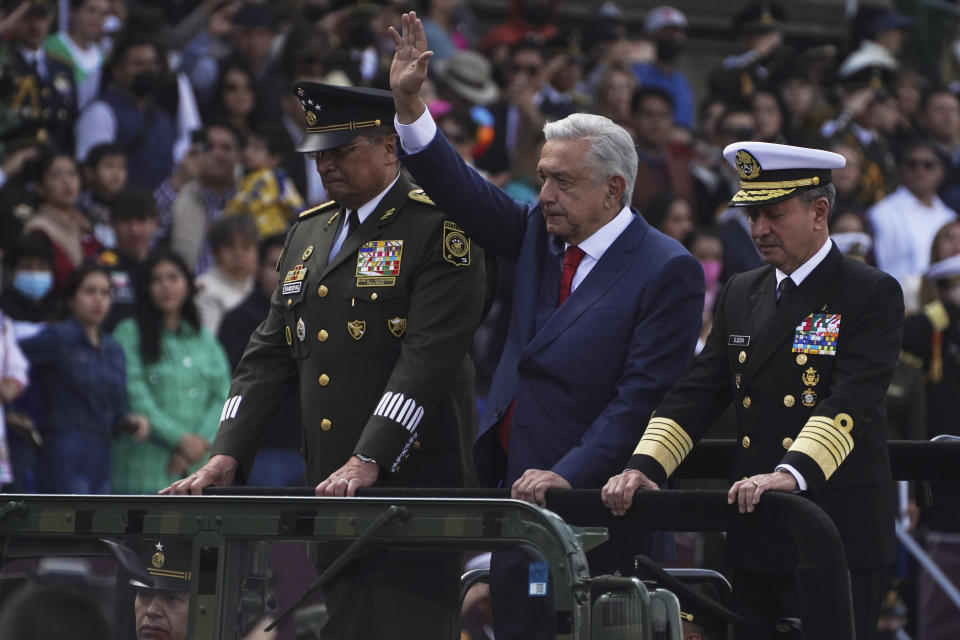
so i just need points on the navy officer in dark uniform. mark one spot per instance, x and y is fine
(378, 300)
(39, 97)
(805, 348)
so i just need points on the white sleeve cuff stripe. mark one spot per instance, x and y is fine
(408, 409)
(383, 403)
(404, 410)
(230, 408)
(415, 421)
(397, 399)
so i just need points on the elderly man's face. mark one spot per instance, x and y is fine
(161, 614)
(789, 232)
(574, 202)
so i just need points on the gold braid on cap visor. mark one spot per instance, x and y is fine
(346, 126)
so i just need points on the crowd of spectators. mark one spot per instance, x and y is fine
(148, 174)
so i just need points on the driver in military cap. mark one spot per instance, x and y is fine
(805, 348)
(160, 573)
(378, 298)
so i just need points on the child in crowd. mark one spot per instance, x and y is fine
(104, 175)
(133, 216)
(28, 295)
(231, 279)
(266, 193)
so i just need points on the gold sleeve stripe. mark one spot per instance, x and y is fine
(826, 444)
(676, 429)
(666, 442)
(827, 438)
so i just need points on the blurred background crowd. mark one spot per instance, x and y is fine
(148, 176)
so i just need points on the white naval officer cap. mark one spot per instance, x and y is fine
(773, 172)
(946, 269)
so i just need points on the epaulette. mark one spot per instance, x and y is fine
(417, 195)
(937, 314)
(317, 209)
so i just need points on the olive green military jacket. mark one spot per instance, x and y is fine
(376, 340)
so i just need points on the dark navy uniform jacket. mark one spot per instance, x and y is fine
(808, 381)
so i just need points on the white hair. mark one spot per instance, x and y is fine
(610, 151)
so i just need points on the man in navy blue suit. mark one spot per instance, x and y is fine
(606, 312)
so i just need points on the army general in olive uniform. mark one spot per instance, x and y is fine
(805, 347)
(378, 300)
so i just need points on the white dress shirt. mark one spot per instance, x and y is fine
(362, 213)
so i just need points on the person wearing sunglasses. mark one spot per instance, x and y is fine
(905, 222)
(378, 297)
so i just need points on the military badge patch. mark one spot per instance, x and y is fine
(397, 326)
(357, 328)
(817, 334)
(456, 245)
(301, 330)
(378, 263)
(293, 281)
(307, 253)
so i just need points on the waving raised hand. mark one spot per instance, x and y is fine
(409, 68)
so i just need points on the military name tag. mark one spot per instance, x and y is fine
(293, 281)
(378, 263)
(817, 334)
(738, 341)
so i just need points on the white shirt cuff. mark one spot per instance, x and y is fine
(801, 483)
(415, 137)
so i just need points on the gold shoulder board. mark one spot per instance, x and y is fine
(419, 196)
(318, 209)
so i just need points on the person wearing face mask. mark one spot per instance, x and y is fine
(128, 114)
(28, 294)
(667, 27)
(706, 246)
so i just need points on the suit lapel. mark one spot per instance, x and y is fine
(369, 228)
(605, 273)
(801, 302)
(763, 305)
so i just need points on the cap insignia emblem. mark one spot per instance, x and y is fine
(158, 559)
(311, 119)
(747, 165)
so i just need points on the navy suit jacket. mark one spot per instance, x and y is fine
(586, 375)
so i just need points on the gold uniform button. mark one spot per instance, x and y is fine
(801, 359)
(746, 402)
(374, 296)
(789, 401)
(324, 380)
(745, 442)
(326, 425)
(322, 335)
(416, 445)
(787, 443)
(289, 302)
(742, 357)
(322, 291)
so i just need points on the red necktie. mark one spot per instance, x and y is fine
(571, 260)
